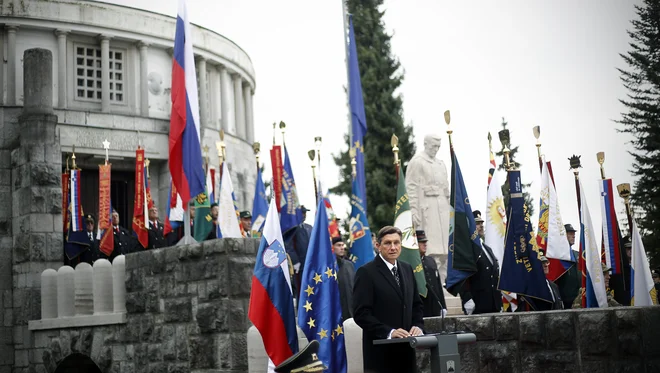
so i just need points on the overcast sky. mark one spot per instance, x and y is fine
(546, 63)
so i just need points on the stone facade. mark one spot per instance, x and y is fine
(615, 340)
(186, 311)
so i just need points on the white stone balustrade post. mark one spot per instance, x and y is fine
(49, 294)
(353, 343)
(84, 277)
(103, 299)
(65, 292)
(119, 283)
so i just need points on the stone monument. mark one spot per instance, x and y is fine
(428, 189)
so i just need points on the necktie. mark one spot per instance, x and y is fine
(90, 236)
(396, 276)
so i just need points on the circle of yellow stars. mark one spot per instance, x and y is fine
(318, 278)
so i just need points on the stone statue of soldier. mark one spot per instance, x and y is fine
(428, 191)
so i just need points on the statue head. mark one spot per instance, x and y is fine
(432, 144)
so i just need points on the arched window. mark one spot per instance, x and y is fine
(77, 363)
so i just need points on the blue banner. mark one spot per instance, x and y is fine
(522, 271)
(319, 308)
(290, 213)
(259, 206)
(361, 246)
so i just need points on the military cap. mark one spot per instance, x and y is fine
(303, 208)
(655, 274)
(421, 236)
(336, 239)
(306, 360)
(89, 217)
(626, 243)
(246, 214)
(542, 258)
(605, 267)
(477, 216)
(569, 228)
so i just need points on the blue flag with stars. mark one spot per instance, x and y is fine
(362, 250)
(319, 307)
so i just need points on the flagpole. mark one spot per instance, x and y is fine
(344, 16)
(624, 192)
(537, 135)
(312, 157)
(395, 150)
(575, 165)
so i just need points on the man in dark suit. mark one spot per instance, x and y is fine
(156, 238)
(386, 304)
(480, 294)
(434, 303)
(345, 277)
(123, 240)
(90, 255)
(557, 303)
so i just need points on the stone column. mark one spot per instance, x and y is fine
(238, 106)
(144, 79)
(224, 97)
(105, 73)
(203, 93)
(249, 119)
(11, 64)
(61, 68)
(37, 193)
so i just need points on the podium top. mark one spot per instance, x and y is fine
(429, 340)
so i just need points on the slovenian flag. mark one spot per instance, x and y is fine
(185, 153)
(271, 300)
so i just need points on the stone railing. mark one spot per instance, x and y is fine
(85, 296)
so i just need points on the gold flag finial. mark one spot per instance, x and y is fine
(73, 158)
(504, 140)
(624, 191)
(318, 141)
(147, 162)
(256, 147)
(395, 149)
(106, 146)
(353, 153)
(449, 129)
(600, 157)
(312, 156)
(283, 130)
(537, 134)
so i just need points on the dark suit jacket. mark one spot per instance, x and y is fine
(482, 286)
(346, 279)
(380, 305)
(156, 238)
(558, 304)
(90, 255)
(435, 298)
(124, 243)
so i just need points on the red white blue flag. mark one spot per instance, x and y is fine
(271, 300)
(611, 233)
(185, 160)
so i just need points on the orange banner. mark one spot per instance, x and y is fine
(65, 201)
(107, 244)
(139, 220)
(278, 170)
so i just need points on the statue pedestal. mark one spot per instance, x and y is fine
(454, 305)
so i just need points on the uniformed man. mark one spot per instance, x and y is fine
(124, 242)
(345, 277)
(215, 210)
(620, 282)
(569, 283)
(557, 303)
(611, 302)
(305, 361)
(434, 303)
(246, 222)
(156, 238)
(308, 227)
(479, 293)
(90, 255)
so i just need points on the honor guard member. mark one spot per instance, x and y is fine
(345, 277)
(246, 222)
(577, 303)
(481, 295)
(434, 303)
(569, 283)
(308, 227)
(215, 211)
(90, 255)
(305, 361)
(156, 238)
(557, 303)
(122, 239)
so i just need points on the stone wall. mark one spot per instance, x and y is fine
(594, 341)
(187, 311)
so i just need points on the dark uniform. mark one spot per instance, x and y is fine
(620, 283)
(569, 283)
(557, 303)
(124, 243)
(90, 256)
(345, 279)
(156, 238)
(434, 302)
(305, 361)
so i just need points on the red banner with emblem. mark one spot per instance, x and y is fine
(65, 200)
(139, 215)
(107, 243)
(278, 171)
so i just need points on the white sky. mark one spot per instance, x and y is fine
(547, 63)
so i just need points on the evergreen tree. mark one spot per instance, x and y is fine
(514, 165)
(381, 76)
(641, 119)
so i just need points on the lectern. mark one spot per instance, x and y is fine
(443, 346)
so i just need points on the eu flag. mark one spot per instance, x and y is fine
(522, 271)
(290, 214)
(361, 247)
(259, 206)
(319, 307)
(464, 242)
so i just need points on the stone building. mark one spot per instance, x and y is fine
(112, 79)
